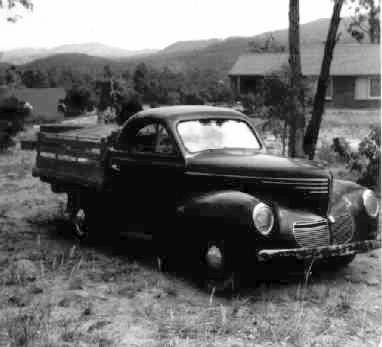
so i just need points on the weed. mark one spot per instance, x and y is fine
(29, 327)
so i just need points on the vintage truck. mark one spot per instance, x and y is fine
(199, 181)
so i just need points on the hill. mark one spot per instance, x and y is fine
(221, 54)
(214, 54)
(182, 46)
(25, 55)
(73, 61)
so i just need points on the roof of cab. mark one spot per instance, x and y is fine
(181, 112)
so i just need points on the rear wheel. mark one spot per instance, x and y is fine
(81, 223)
(83, 215)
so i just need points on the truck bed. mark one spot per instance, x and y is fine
(73, 156)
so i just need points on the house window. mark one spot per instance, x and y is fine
(367, 88)
(374, 88)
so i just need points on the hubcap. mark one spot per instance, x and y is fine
(79, 223)
(214, 258)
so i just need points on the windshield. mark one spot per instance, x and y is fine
(201, 134)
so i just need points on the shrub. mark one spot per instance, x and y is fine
(78, 99)
(13, 113)
(128, 107)
(366, 162)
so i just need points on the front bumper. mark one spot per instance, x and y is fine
(319, 252)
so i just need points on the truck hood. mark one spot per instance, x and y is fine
(244, 163)
(268, 176)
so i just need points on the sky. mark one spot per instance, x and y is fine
(142, 24)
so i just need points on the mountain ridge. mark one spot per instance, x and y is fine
(214, 54)
(26, 55)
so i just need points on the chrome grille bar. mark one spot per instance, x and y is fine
(312, 233)
(343, 227)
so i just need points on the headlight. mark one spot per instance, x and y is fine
(370, 202)
(263, 218)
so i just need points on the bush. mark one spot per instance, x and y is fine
(366, 162)
(13, 113)
(127, 108)
(78, 99)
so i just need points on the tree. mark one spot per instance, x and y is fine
(366, 20)
(35, 79)
(12, 117)
(78, 99)
(140, 78)
(297, 116)
(313, 129)
(12, 76)
(10, 5)
(266, 45)
(128, 107)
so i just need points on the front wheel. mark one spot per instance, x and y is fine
(218, 274)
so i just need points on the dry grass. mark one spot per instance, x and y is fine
(352, 125)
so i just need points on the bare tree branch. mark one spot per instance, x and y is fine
(10, 5)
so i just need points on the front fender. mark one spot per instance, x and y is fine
(349, 195)
(229, 207)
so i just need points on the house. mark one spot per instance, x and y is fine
(355, 80)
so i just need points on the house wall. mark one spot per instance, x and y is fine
(343, 91)
(344, 95)
(245, 84)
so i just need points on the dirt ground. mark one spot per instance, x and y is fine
(57, 292)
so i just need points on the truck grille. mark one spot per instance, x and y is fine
(312, 192)
(343, 227)
(316, 186)
(312, 233)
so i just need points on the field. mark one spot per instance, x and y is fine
(43, 100)
(55, 291)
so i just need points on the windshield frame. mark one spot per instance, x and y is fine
(221, 118)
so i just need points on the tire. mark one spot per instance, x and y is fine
(81, 223)
(84, 214)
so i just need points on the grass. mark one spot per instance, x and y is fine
(352, 125)
(100, 295)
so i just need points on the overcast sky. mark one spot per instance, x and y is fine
(140, 24)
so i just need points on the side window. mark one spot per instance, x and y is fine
(152, 138)
(164, 142)
(144, 140)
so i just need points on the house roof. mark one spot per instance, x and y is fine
(348, 59)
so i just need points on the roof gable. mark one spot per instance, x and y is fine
(350, 59)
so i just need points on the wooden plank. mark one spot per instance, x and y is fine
(95, 131)
(72, 142)
(48, 175)
(93, 154)
(58, 128)
(90, 172)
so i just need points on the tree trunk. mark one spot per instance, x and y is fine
(374, 24)
(312, 132)
(296, 117)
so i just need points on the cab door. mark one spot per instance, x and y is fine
(150, 175)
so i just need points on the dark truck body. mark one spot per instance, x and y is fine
(247, 204)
